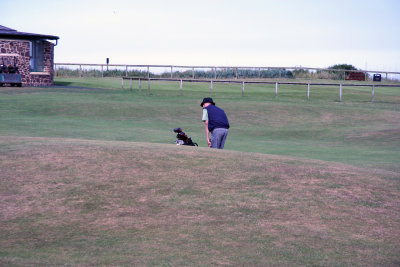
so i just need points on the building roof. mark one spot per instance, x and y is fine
(11, 33)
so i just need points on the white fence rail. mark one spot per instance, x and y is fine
(244, 82)
(238, 72)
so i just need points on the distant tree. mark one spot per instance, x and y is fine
(340, 75)
(342, 67)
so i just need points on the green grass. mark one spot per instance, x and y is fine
(91, 177)
(354, 131)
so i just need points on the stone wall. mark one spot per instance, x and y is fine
(19, 49)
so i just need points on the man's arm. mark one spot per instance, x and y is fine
(207, 133)
(205, 119)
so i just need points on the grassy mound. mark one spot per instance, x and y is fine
(80, 202)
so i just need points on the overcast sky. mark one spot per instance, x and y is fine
(216, 32)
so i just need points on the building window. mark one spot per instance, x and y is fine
(36, 53)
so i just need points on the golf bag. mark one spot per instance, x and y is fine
(183, 139)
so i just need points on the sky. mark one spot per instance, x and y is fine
(308, 33)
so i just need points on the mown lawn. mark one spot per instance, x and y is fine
(354, 131)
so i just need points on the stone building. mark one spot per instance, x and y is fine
(32, 53)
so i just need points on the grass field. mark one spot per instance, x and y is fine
(91, 176)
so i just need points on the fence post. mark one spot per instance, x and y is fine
(171, 73)
(80, 71)
(215, 73)
(180, 87)
(148, 72)
(126, 70)
(140, 85)
(236, 72)
(122, 82)
(308, 92)
(131, 84)
(340, 93)
(148, 86)
(242, 88)
(192, 73)
(276, 89)
(211, 87)
(102, 72)
(373, 93)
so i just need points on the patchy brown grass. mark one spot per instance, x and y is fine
(79, 202)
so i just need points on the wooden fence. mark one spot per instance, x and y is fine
(244, 82)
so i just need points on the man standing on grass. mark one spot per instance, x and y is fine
(215, 122)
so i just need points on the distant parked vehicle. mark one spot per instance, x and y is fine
(377, 77)
(10, 74)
